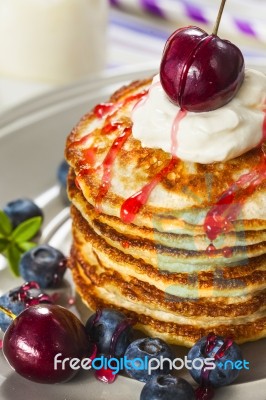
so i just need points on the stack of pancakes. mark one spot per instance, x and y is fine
(158, 269)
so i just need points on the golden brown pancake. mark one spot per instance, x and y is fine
(159, 267)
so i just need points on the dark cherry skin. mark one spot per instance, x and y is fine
(200, 72)
(37, 335)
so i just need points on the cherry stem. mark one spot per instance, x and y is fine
(8, 313)
(219, 16)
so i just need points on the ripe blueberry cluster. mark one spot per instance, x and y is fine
(30, 349)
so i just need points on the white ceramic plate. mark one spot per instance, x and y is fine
(32, 139)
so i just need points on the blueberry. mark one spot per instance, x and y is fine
(211, 347)
(20, 210)
(62, 173)
(111, 331)
(144, 350)
(167, 387)
(43, 264)
(12, 304)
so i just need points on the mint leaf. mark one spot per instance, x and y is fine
(5, 224)
(26, 230)
(13, 256)
(26, 246)
(3, 244)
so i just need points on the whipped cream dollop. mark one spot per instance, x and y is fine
(204, 137)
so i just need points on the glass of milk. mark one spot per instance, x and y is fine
(55, 41)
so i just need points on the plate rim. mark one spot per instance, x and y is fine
(82, 87)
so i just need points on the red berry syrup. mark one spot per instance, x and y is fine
(205, 391)
(102, 109)
(133, 204)
(223, 349)
(117, 333)
(41, 299)
(211, 250)
(210, 343)
(220, 217)
(110, 126)
(23, 291)
(108, 164)
(106, 375)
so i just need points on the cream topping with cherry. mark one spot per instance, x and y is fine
(204, 137)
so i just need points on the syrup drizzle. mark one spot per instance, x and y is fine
(108, 164)
(205, 391)
(99, 111)
(87, 162)
(111, 127)
(137, 96)
(227, 252)
(174, 131)
(125, 324)
(88, 157)
(133, 204)
(22, 293)
(81, 141)
(115, 148)
(102, 109)
(106, 374)
(219, 218)
(212, 251)
(96, 318)
(210, 343)
(27, 294)
(143, 100)
(223, 349)
(42, 298)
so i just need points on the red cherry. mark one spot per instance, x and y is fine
(37, 335)
(200, 72)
